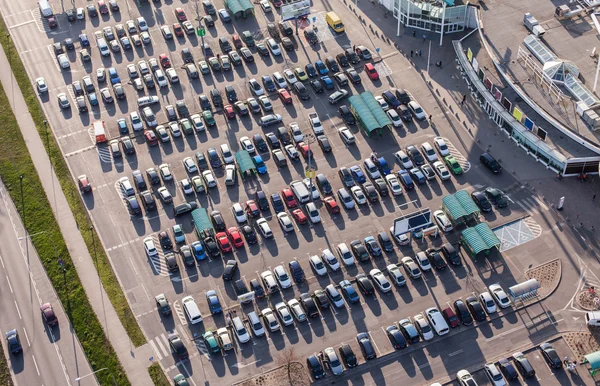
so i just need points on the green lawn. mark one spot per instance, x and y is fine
(5, 378)
(158, 376)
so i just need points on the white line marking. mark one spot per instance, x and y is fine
(26, 337)
(162, 348)
(19, 312)
(423, 366)
(155, 349)
(9, 286)
(16, 26)
(35, 363)
(455, 353)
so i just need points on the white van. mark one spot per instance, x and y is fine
(255, 324)
(45, 8)
(300, 191)
(240, 330)
(437, 321)
(592, 319)
(63, 61)
(191, 310)
(103, 47)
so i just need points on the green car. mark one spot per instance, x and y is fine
(179, 380)
(300, 74)
(453, 164)
(208, 118)
(186, 126)
(211, 342)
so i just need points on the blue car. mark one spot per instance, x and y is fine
(122, 124)
(358, 174)
(277, 203)
(296, 271)
(114, 76)
(321, 67)
(268, 83)
(213, 302)
(213, 157)
(405, 180)
(261, 168)
(349, 291)
(198, 249)
(373, 246)
(224, 16)
(327, 82)
(83, 39)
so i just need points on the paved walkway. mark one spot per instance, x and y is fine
(134, 361)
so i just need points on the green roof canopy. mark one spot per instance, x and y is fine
(247, 6)
(201, 220)
(244, 162)
(234, 7)
(365, 117)
(453, 207)
(467, 202)
(459, 207)
(594, 360)
(376, 110)
(480, 238)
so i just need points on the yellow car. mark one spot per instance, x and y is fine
(300, 74)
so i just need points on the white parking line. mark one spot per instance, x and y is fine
(19, 312)
(35, 363)
(374, 344)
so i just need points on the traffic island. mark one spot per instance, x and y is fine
(582, 343)
(548, 275)
(293, 374)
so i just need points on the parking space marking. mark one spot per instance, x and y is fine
(40, 22)
(180, 313)
(383, 69)
(517, 232)
(455, 353)
(374, 344)
(460, 158)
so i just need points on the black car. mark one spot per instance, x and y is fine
(490, 162)
(348, 356)
(321, 298)
(258, 289)
(217, 219)
(324, 143)
(262, 49)
(396, 337)
(165, 240)
(246, 54)
(201, 161)
(309, 305)
(481, 201)
(359, 250)
(342, 60)
(249, 234)
(231, 94)
(385, 241)
(315, 367)
(216, 98)
(69, 45)
(365, 285)
(451, 254)
(352, 56)
(153, 177)
(284, 136)
(475, 308)
(391, 99)
(224, 44)
(209, 8)
(277, 203)
(508, 369)
(71, 14)
(241, 289)
(261, 200)
(310, 36)
(311, 71)
(496, 197)
(301, 90)
(436, 259)
(230, 269)
(461, 310)
(404, 113)
(204, 102)
(366, 346)
(187, 56)
(551, 356)
(211, 246)
(273, 31)
(287, 44)
(286, 28)
(415, 155)
(353, 76)
(296, 271)
(317, 86)
(346, 115)
(209, 21)
(323, 184)
(182, 109)
(381, 187)
(177, 346)
(213, 158)
(148, 200)
(332, 64)
(259, 143)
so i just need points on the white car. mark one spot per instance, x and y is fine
(442, 220)
(428, 171)
(270, 319)
(186, 186)
(411, 267)
(190, 165)
(265, 102)
(150, 247)
(423, 261)
(346, 135)
(313, 213)
(371, 169)
(487, 302)
(147, 100)
(175, 129)
(197, 123)
(380, 280)
(428, 152)
(330, 259)
(334, 296)
(273, 47)
(403, 160)
(209, 179)
(136, 121)
(423, 327)
(395, 274)
(382, 103)
(264, 228)
(499, 295)
(238, 213)
(165, 172)
(279, 80)
(224, 339)
(132, 71)
(247, 145)
(317, 265)
(289, 76)
(312, 187)
(172, 75)
(226, 154)
(394, 184)
(416, 110)
(358, 195)
(41, 85)
(292, 152)
(283, 278)
(284, 314)
(165, 195)
(441, 146)
(141, 24)
(297, 310)
(394, 117)
(494, 375)
(285, 221)
(441, 170)
(266, 7)
(161, 79)
(465, 378)
(296, 132)
(230, 175)
(345, 254)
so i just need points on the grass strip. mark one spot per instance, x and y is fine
(158, 376)
(107, 275)
(5, 378)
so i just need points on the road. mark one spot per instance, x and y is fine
(50, 356)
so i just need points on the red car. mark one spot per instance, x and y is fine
(235, 237)
(177, 29)
(332, 205)
(180, 14)
(371, 71)
(277, 3)
(223, 241)
(252, 209)
(304, 149)
(164, 60)
(229, 113)
(84, 184)
(150, 138)
(450, 317)
(102, 7)
(285, 96)
(289, 198)
(299, 216)
(237, 42)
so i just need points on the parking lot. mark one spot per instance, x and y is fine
(122, 234)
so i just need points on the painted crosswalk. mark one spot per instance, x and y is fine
(158, 261)
(532, 205)
(461, 159)
(160, 346)
(383, 69)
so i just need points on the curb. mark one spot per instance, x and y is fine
(249, 379)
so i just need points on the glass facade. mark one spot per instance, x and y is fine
(430, 17)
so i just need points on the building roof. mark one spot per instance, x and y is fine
(234, 7)
(459, 206)
(593, 359)
(201, 220)
(247, 6)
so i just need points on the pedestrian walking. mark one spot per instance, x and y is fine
(463, 100)
(594, 197)
(414, 34)
(430, 116)
(420, 53)
(411, 53)
(424, 38)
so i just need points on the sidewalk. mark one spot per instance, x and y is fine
(134, 361)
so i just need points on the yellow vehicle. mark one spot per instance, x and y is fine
(334, 22)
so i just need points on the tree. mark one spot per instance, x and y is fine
(287, 358)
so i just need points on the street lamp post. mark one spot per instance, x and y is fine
(310, 138)
(94, 245)
(22, 200)
(97, 371)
